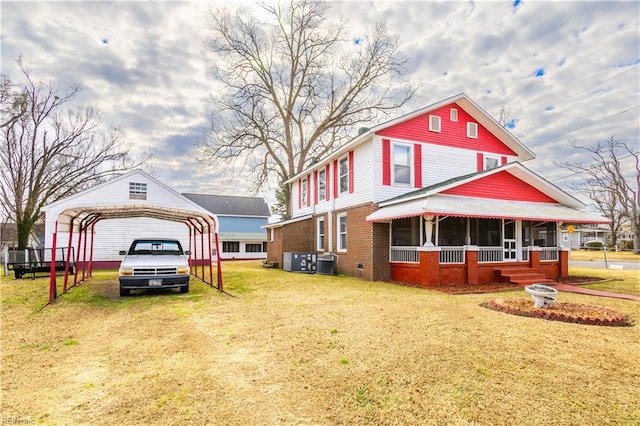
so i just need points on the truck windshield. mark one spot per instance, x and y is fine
(156, 247)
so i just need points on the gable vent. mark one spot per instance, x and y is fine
(137, 191)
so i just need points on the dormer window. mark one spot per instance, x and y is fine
(472, 130)
(137, 191)
(453, 114)
(491, 162)
(434, 123)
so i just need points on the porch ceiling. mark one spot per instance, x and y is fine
(451, 205)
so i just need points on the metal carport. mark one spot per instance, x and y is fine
(81, 221)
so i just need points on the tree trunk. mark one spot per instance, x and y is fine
(23, 230)
(636, 236)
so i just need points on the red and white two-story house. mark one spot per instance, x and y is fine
(437, 196)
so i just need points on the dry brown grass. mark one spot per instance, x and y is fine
(598, 255)
(301, 349)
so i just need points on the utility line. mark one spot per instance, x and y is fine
(595, 166)
(590, 124)
(576, 94)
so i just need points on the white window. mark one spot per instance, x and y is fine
(137, 191)
(303, 200)
(342, 232)
(271, 234)
(253, 248)
(402, 164)
(472, 130)
(231, 247)
(320, 239)
(453, 114)
(322, 186)
(344, 175)
(434, 123)
(491, 162)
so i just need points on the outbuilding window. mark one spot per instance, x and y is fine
(231, 247)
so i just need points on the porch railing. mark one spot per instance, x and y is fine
(490, 254)
(408, 254)
(404, 254)
(548, 254)
(451, 255)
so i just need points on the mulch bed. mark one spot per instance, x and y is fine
(561, 311)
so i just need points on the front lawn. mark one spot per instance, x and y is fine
(289, 348)
(599, 255)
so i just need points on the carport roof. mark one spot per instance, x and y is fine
(77, 214)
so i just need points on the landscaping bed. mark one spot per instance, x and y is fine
(560, 311)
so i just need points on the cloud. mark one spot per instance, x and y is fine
(559, 66)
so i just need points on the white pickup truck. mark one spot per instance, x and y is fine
(154, 263)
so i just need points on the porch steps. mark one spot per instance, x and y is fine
(520, 276)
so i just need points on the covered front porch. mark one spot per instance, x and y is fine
(445, 250)
(442, 239)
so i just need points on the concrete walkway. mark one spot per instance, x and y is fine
(577, 289)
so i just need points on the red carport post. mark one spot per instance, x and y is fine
(84, 253)
(210, 255)
(219, 258)
(80, 228)
(202, 248)
(190, 250)
(195, 245)
(66, 266)
(53, 291)
(93, 225)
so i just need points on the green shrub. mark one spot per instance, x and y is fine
(593, 245)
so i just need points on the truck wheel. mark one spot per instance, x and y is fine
(124, 292)
(184, 289)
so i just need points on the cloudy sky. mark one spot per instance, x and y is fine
(565, 70)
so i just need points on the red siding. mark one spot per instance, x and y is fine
(453, 133)
(309, 191)
(504, 160)
(417, 165)
(501, 186)
(386, 162)
(480, 162)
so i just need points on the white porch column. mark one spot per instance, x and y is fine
(428, 228)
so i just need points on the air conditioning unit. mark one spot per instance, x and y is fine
(299, 262)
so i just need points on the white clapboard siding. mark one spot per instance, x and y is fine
(114, 235)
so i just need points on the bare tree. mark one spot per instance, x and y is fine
(612, 184)
(292, 89)
(13, 105)
(506, 117)
(50, 151)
